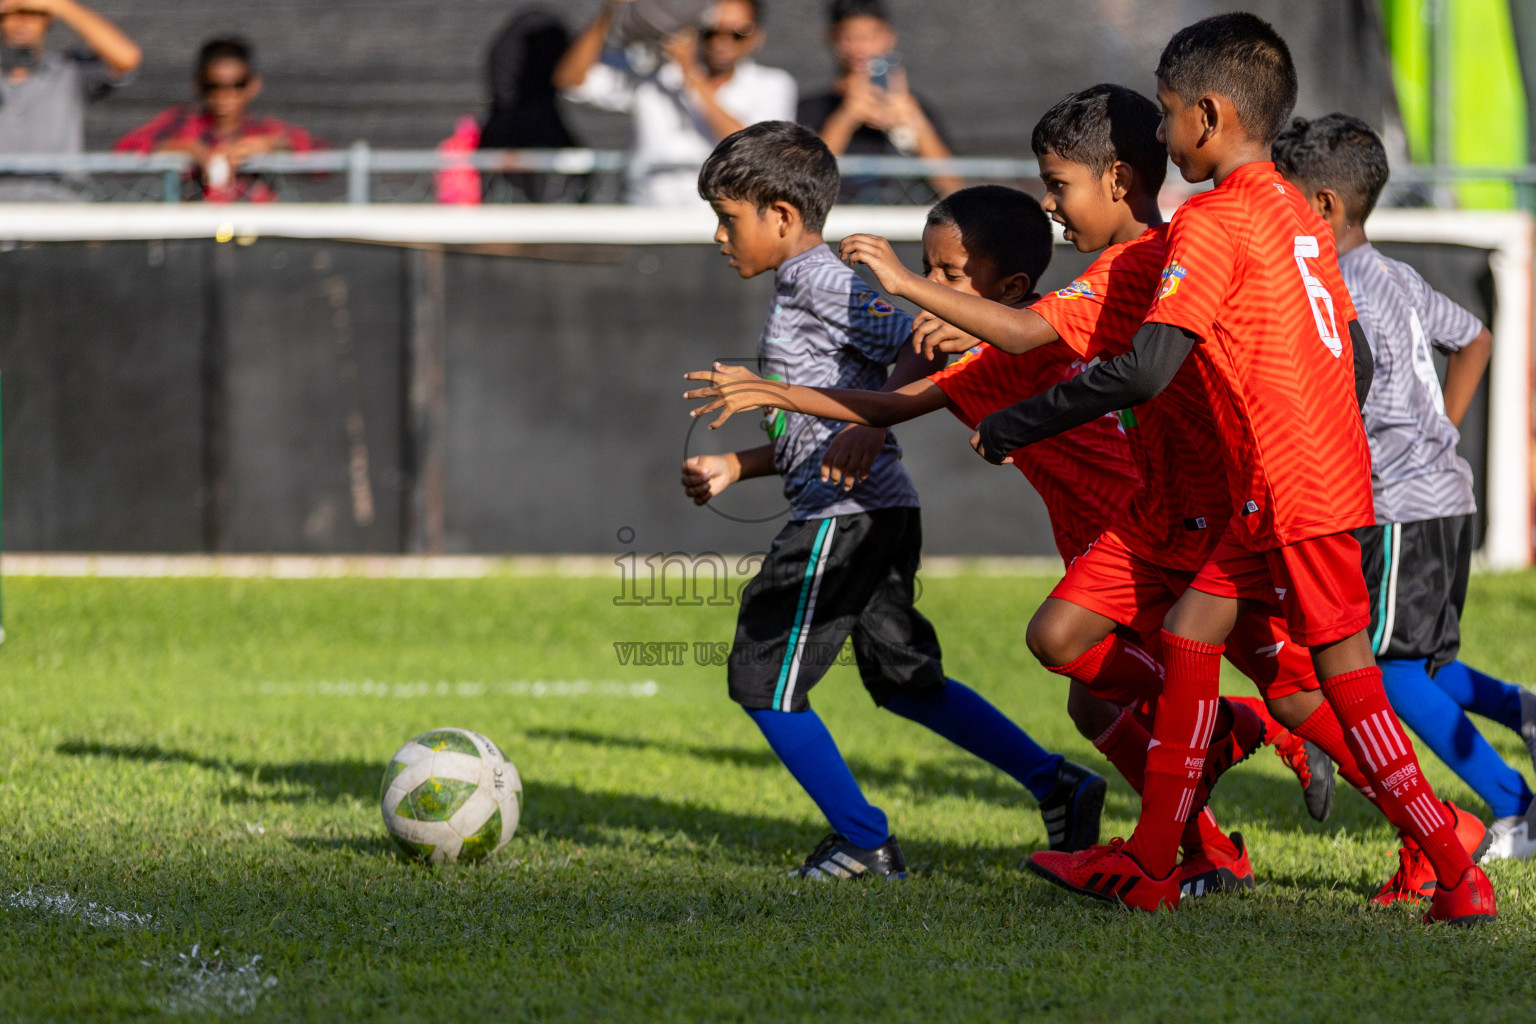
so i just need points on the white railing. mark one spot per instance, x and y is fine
(361, 174)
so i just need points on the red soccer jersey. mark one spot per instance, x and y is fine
(1179, 516)
(1085, 476)
(1253, 271)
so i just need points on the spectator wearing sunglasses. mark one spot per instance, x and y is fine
(43, 92)
(217, 132)
(702, 86)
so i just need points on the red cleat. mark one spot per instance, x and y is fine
(1468, 902)
(1108, 873)
(1200, 874)
(1415, 877)
(1245, 736)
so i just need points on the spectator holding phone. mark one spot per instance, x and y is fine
(702, 86)
(870, 110)
(218, 133)
(43, 92)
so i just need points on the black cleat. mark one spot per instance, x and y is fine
(1528, 721)
(836, 857)
(1318, 793)
(1071, 812)
(1314, 770)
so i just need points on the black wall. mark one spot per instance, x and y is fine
(185, 396)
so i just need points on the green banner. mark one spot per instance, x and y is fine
(1460, 90)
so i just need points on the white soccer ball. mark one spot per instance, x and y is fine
(451, 794)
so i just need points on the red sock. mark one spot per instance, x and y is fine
(1384, 752)
(1115, 669)
(1124, 743)
(1181, 734)
(1322, 727)
(1273, 730)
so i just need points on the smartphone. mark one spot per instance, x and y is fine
(880, 70)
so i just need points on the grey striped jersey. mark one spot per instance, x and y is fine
(1415, 471)
(828, 329)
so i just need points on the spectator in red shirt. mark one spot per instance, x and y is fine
(217, 133)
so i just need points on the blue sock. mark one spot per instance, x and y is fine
(1481, 694)
(1444, 728)
(802, 741)
(963, 716)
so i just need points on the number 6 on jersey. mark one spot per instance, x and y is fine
(1317, 295)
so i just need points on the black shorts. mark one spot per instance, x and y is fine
(824, 580)
(1417, 576)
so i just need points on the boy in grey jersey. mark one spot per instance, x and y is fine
(1416, 558)
(845, 565)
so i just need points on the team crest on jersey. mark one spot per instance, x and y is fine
(1076, 290)
(1172, 275)
(875, 305)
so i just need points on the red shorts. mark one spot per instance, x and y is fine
(1315, 583)
(1110, 578)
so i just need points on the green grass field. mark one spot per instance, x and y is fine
(191, 827)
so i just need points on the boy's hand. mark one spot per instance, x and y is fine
(930, 336)
(851, 453)
(705, 476)
(876, 254)
(732, 389)
(981, 449)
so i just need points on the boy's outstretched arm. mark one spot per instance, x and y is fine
(852, 452)
(1157, 352)
(1012, 330)
(705, 476)
(734, 389)
(1463, 372)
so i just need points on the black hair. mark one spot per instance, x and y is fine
(225, 48)
(1103, 124)
(770, 162)
(1239, 56)
(1001, 225)
(1338, 152)
(842, 10)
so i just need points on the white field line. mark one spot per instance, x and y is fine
(423, 566)
(505, 688)
(65, 905)
(211, 984)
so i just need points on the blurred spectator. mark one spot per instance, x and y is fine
(42, 93)
(521, 65)
(525, 110)
(217, 133)
(869, 110)
(702, 87)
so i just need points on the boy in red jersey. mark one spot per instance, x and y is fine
(1103, 205)
(1252, 287)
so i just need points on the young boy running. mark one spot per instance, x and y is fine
(1252, 287)
(845, 564)
(1418, 555)
(1102, 165)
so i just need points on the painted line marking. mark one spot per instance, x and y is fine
(540, 688)
(65, 905)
